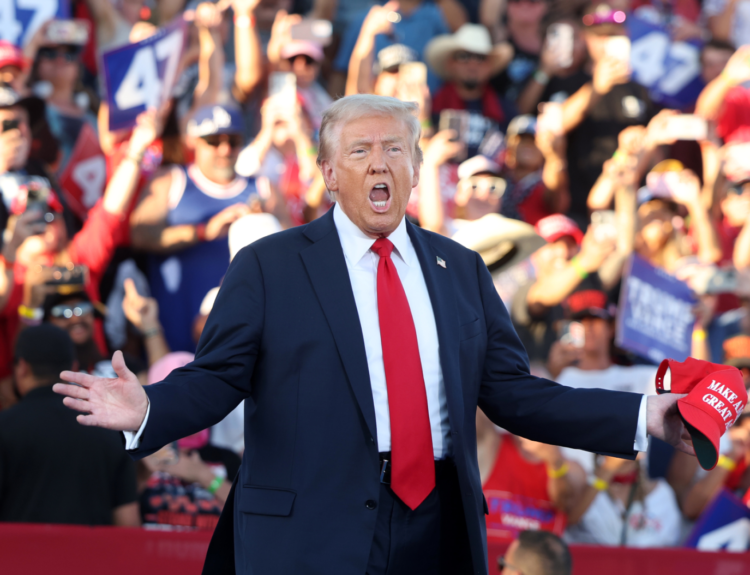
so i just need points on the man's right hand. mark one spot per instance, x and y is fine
(113, 403)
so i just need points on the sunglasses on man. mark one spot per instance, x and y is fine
(64, 311)
(215, 140)
(493, 186)
(68, 53)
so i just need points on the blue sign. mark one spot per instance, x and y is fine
(670, 70)
(655, 317)
(20, 19)
(140, 76)
(724, 525)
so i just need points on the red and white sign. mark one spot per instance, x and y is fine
(85, 176)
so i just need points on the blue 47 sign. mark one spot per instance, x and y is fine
(20, 19)
(670, 70)
(142, 75)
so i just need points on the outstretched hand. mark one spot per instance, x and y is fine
(663, 421)
(113, 403)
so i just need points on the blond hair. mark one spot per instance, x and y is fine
(364, 105)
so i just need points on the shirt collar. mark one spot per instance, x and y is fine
(356, 243)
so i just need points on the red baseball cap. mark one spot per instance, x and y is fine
(589, 303)
(682, 376)
(556, 226)
(711, 408)
(11, 55)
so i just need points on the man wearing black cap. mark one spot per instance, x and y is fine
(53, 470)
(595, 115)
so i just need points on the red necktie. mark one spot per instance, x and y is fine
(412, 465)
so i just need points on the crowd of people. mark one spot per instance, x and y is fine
(546, 147)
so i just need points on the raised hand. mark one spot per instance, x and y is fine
(608, 72)
(686, 189)
(663, 421)
(378, 20)
(142, 312)
(113, 403)
(147, 128)
(441, 148)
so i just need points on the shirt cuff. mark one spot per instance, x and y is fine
(641, 432)
(133, 439)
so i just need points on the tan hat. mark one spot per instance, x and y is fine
(472, 38)
(501, 242)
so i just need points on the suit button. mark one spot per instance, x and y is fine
(371, 504)
(372, 440)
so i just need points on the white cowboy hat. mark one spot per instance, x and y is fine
(501, 242)
(472, 38)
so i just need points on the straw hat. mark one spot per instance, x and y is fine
(501, 242)
(472, 38)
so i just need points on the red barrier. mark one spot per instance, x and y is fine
(72, 550)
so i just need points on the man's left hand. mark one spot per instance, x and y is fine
(663, 422)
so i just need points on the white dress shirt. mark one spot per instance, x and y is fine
(362, 265)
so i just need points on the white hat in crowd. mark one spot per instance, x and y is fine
(250, 228)
(501, 242)
(473, 38)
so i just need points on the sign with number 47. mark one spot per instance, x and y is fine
(142, 75)
(20, 19)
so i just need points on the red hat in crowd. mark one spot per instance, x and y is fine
(556, 226)
(589, 303)
(682, 376)
(712, 407)
(11, 55)
(18, 205)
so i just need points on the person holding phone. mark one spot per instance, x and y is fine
(594, 115)
(93, 246)
(56, 77)
(303, 58)
(466, 60)
(561, 66)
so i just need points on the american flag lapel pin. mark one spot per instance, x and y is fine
(441, 262)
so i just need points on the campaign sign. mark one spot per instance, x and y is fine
(724, 525)
(20, 19)
(655, 317)
(83, 180)
(670, 70)
(142, 75)
(509, 514)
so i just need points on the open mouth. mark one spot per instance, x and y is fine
(380, 197)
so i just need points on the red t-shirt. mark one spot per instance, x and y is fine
(93, 247)
(517, 496)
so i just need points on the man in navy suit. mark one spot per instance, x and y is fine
(362, 346)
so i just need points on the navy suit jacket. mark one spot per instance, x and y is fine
(284, 335)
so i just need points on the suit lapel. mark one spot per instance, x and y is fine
(326, 267)
(443, 298)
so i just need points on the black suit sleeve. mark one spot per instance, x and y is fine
(202, 393)
(591, 419)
